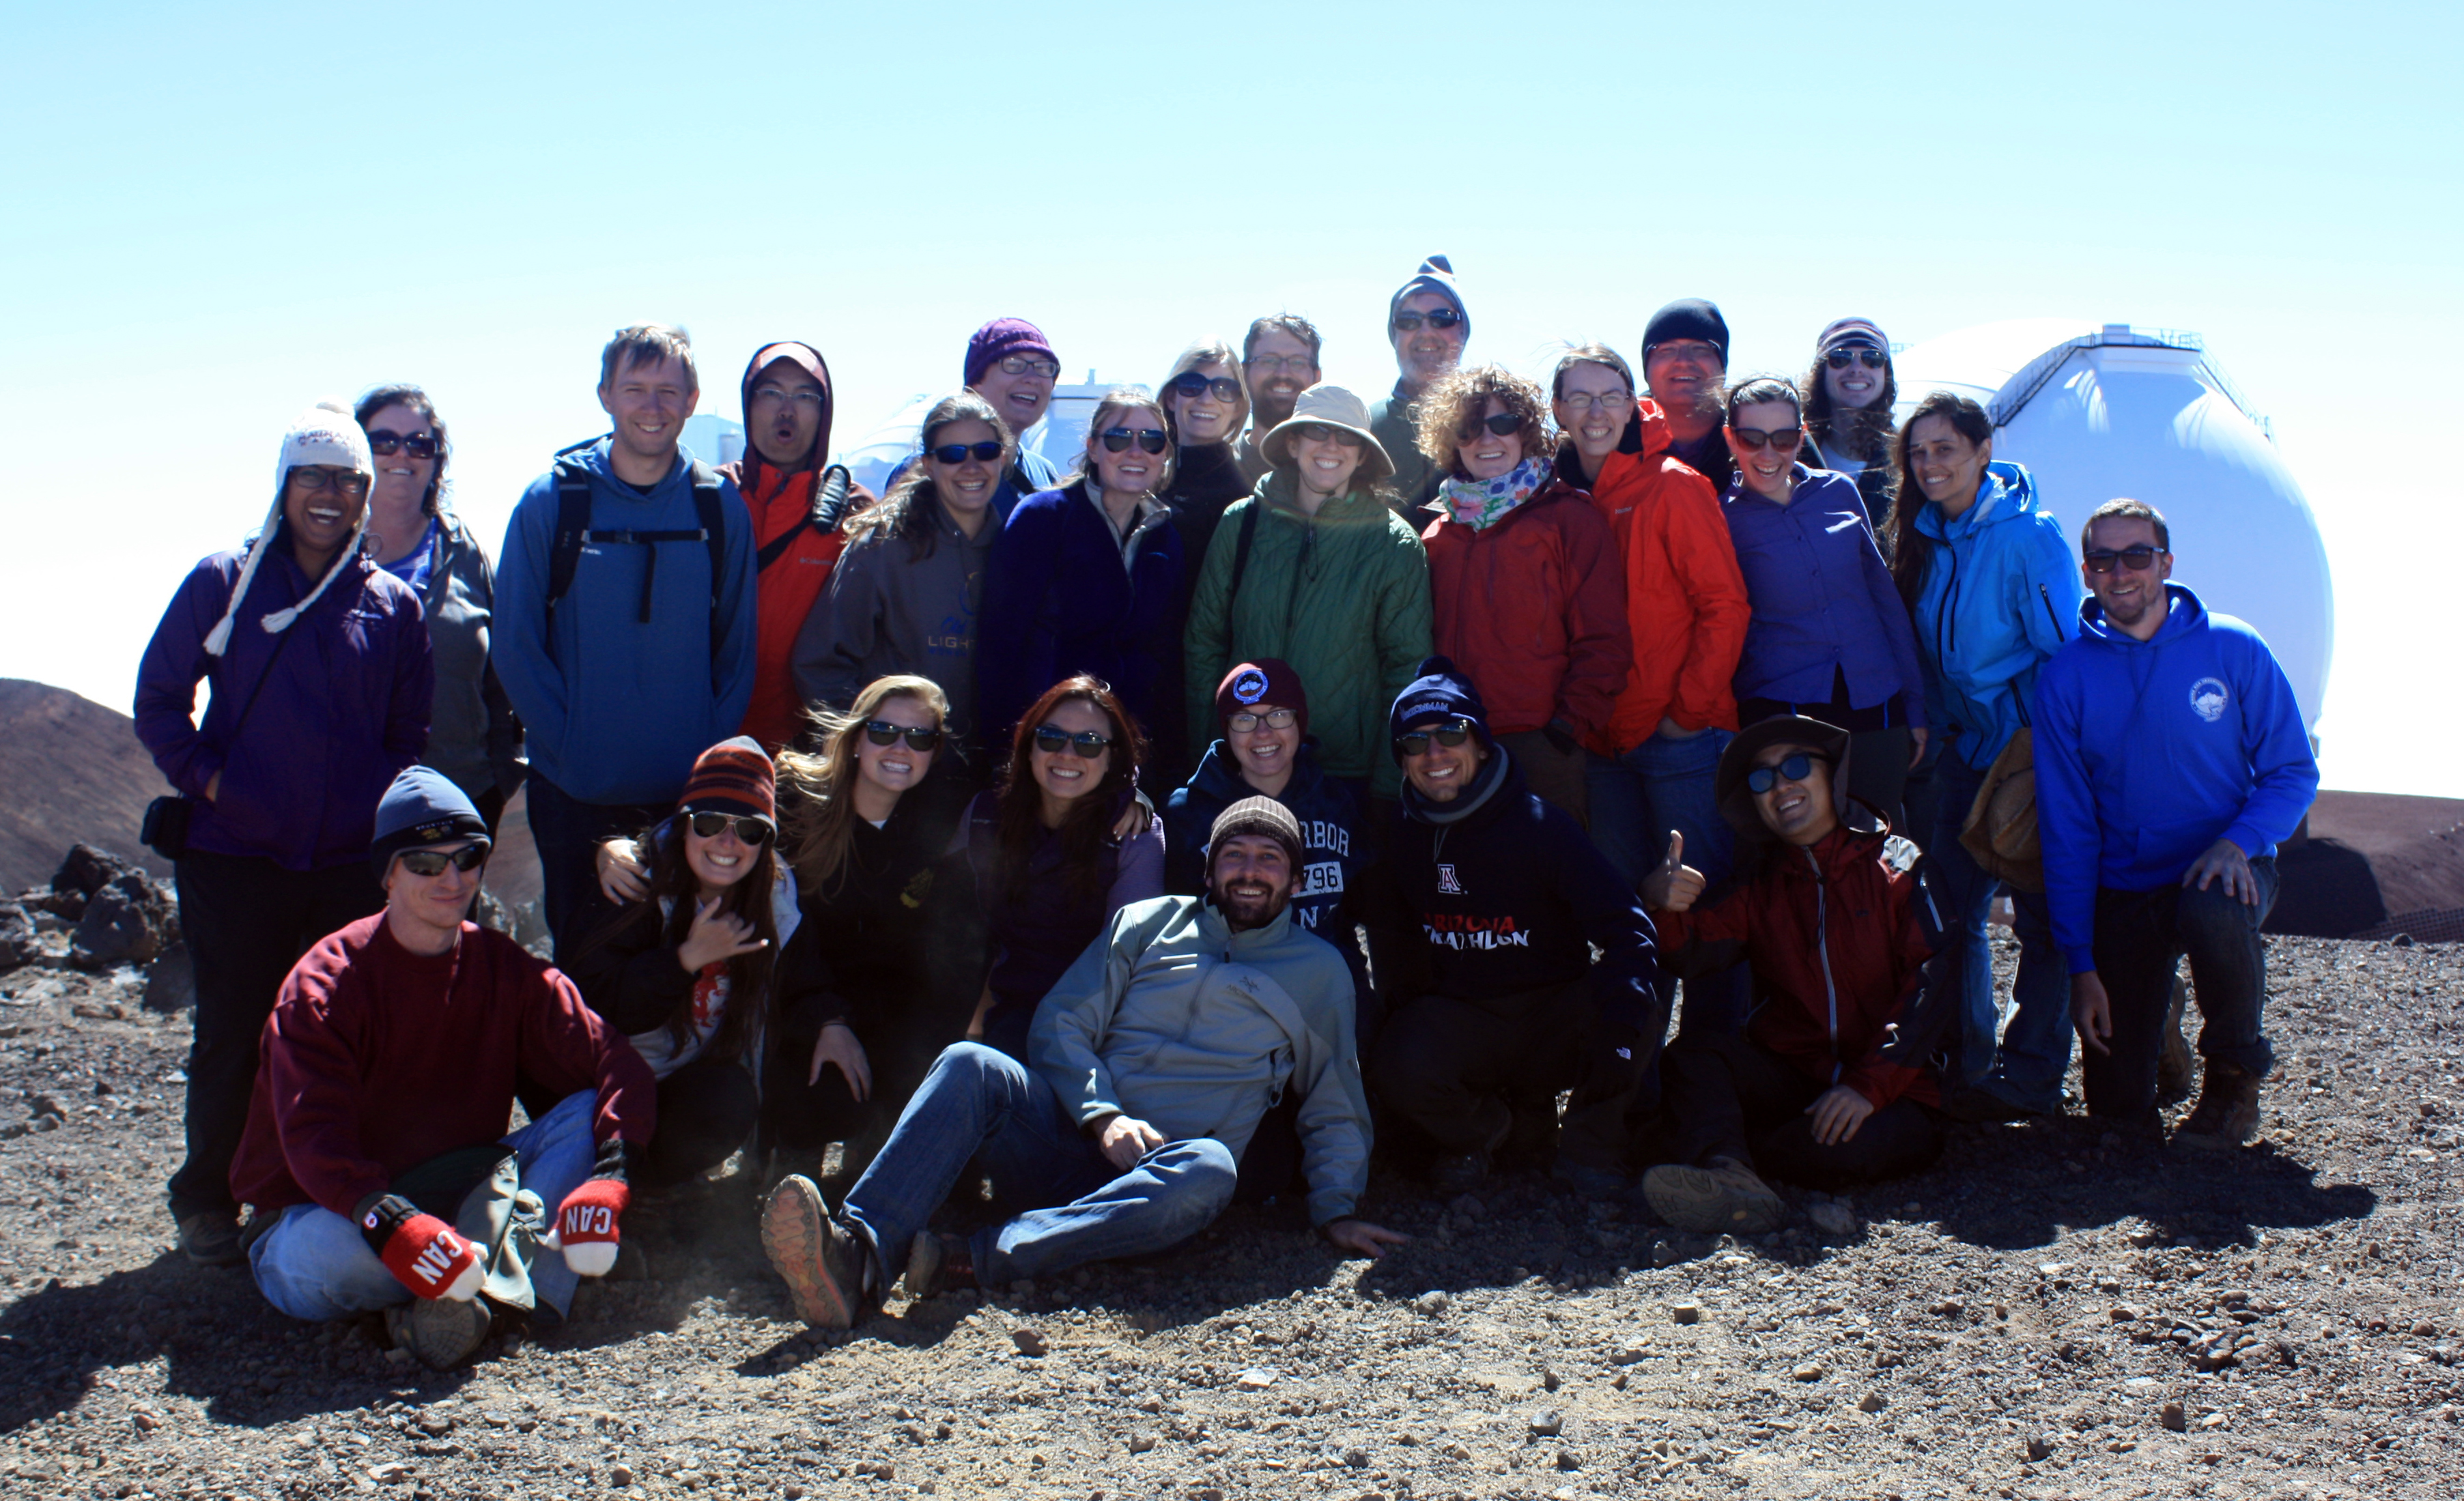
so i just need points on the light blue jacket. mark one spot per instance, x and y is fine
(2000, 594)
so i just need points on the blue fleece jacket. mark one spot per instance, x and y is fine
(616, 707)
(1059, 599)
(1822, 598)
(2149, 752)
(2000, 594)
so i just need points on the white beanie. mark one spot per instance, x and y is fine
(324, 434)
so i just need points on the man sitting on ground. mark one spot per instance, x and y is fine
(377, 1130)
(1827, 1085)
(1154, 1058)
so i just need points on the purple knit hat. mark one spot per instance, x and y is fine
(1001, 337)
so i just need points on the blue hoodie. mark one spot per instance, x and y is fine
(2000, 594)
(1331, 853)
(2149, 752)
(616, 708)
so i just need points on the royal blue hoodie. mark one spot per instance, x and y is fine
(2000, 595)
(2149, 752)
(617, 709)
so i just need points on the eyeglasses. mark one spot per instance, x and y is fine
(1870, 358)
(1320, 432)
(429, 864)
(1190, 383)
(1030, 364)
(1585, 400)
(1415, 743)
(1117, 438)
(881, 732)
(385, 445)
(1502, 424)
(1700, 349)
(2137, 559)
(1795, 769)
(1241, 724)
(1053, 740)
(985, 451)
(1438, 318)
(1279, 363)
(1784, 439)
(316, 478)
(710, 825)
(773, 395)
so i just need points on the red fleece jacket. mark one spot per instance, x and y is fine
(784, 594)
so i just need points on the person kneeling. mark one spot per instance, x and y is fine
(375, 1152)
(1153, 1060)
(1827, 1086)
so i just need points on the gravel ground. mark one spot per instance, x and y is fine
(2054, 1311)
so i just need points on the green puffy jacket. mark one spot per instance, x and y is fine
(1172, 1018)
(1343, 595)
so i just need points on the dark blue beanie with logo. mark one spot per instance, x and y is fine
(1437, 692)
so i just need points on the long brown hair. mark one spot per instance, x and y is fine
(816, 823)
(911, 510)
(1914, 549)
(1863, 432)
(670, 879)
(1088, 824)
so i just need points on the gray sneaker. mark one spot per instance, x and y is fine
(1724, 1197)
(440, 1332)
(210, 1238)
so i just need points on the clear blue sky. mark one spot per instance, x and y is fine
(215, 215)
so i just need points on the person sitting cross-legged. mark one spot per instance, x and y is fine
(1153, 1060)
(1828, 1085)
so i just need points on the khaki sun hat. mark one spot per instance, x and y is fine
(1335, 408)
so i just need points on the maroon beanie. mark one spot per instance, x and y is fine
(733, 776)
(1001, 339)
(1269, 680)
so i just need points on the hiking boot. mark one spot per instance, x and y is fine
(1458, 1172)
(1723, 1196)
(939, 1264)
(2173, 1067)
(821, 1264)
(440, 1332)
(210, 1238)
(2227, 1115)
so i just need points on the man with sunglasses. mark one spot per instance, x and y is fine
(378, 1122)
(2170, 760)
(1152, 1061)
(1485, 915)
(1279, 360)
(1686, 368)
(1426, 323)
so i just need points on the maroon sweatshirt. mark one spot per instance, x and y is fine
(376, 1059)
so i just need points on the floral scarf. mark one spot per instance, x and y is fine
(1478, 504)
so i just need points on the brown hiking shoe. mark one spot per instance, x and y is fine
(210, 1238)
(2227, 1115)
(939, 1264)
(1723, 1196)
(2173, 1065)
(822, 1263)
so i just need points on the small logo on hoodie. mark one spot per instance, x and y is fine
(1447, 884)
(2209, 697)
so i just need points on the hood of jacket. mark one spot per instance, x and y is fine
(2008, 493)
(1997, 601)
(806, 358)
(2183, 614)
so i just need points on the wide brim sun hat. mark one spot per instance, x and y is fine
(1335, 408)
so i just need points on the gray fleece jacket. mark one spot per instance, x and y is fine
(888, 612)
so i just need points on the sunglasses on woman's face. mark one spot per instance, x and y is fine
(1117, 438)
(1842, 358)
(1438, 318)
(431, 863)
(1320, 432)
(1190, 383)
(1053, 740)
(1502, 424)
(1784, 439)
(748, 829)
(882, 733)
(985, 452)
(1415, 743)
(385, 445)
(1795, 769)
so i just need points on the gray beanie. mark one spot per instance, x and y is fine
(1436, 274)
(1256, 815)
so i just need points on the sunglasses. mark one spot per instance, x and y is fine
(1274, 719)
(749, 829)
(1784, 439)
(1795, 769)
(1191, 384)
(882, 733)
(1870, 358)
(2137, 559)
(1053, 740)
(1502, 424)
(314, 478)
(1117, 438)
(1415, 743)
(1320, 432)
(1440, 319)
(385, 445)
(985, 451)
(431, 863)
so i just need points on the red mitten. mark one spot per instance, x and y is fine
(422, 1252)
(585, 1225)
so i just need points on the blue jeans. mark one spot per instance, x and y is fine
(1065, 1201)
(1636, 800)
(2036, 1047)
(316, 1265)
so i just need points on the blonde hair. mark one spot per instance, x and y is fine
(1116, 401)
(817, 824)
(1206, 351)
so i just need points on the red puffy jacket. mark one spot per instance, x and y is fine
(1836, 943)
(1532, 609)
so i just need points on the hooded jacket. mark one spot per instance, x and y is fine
(1342, 596)
(1532, 608)
(617, 707)
(340, 710)
(472, 736)
(890, 610)
(1061, 599)
(1332, 852)
(786, 590)
(1685, 599)
(1172, 1018)
(2149, 752)
(1823, 603)
(1999, 596)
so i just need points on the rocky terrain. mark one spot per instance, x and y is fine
(2057, 1311)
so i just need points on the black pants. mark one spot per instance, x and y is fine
(568, 834)
(707, 1108)
(2141, 937)
(1456, 1070)
(247, 921)
(900, 1043)
(1731, 1096)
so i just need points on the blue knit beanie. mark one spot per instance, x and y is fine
(1438, 691)
(423, 806)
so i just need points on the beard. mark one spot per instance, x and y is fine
(1245, 907)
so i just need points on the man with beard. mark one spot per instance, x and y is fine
(1153, 1060)
(1685, 367)
(1279, 360)
(1426, 323)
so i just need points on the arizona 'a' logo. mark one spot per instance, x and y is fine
(1448, 886)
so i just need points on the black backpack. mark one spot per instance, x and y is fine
(829, 500)
(573, 532)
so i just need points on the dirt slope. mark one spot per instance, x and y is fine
(72, 770)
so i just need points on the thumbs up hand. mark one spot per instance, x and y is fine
(1675, 886)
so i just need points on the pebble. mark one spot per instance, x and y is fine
(2173, 1417)
(1141, 1443)
(1834, 1218)
(1257, 1378)
(1031, 1342)
(620, 1476)
(1431, 1303)
(1687, 1311)
(1950, 1308)
(1871, 1402)
(1356, 1458)
(1550, 1380)
(1631, 1354)
(1569, 1459)
(1550, 1423)
(1811, 1371)
(2040, 1447)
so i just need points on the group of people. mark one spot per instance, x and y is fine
(1294, 783)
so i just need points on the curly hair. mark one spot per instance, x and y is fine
(1455, 403)
(1862, 432)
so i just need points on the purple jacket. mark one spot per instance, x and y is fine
(344, 711)
(1823, 600)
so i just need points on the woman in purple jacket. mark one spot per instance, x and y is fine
(321, 689)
